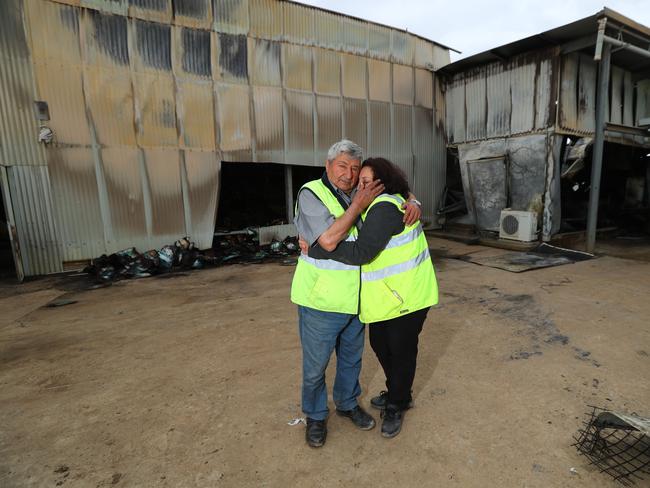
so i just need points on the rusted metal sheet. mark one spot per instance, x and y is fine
(545, 101)
(327, 67)
(402, 47)
(642, 101)
(193, 53)
(522, 91)
(403, 84)
(155, 10)
(568, 91)
(266, 19)
(628, 99)
(355, 121)
(379, 80)
(329, 31)
(120, 7)
(297, 70)
(379, 42)
(269, 131)
(423, 53)
(76, 202)
(616, 108)
(402, 139)
(30, 190)
(18, 124)
(234, 121)
(354, 76)
(48, 21)
(195, 113)
(328, 125)
(299, 135)
(202, 170)
(476, 106)
(193, 13)
(230, 16)
(264, 61)
(380, 129)
(232, 58)
(586, 94)
(423, 88)
(499, 105)
(355, 35)
(164, 181)
(155, 110)
(298, 23)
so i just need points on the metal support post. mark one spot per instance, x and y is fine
(288, 191)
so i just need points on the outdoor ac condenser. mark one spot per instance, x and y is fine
(518, 225)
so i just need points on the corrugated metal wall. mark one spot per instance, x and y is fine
(146, 98)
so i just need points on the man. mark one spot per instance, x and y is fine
(327, 292)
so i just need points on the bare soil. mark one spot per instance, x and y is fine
(191, 381)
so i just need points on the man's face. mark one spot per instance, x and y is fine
(343, 172)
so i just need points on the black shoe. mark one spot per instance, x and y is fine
(359, 417)
(379, 402)
(392, 421)
(316, 432)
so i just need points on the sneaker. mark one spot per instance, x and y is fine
(379, 402)
(316, 432)
(359, 417)
(392, 421)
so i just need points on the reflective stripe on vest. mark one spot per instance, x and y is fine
(328, 264)
(395, 268)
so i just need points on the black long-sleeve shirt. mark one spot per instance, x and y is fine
(383, 221)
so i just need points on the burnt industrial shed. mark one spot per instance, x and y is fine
(525, 121)
(122, 121)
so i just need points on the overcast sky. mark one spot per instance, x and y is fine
(473, 26)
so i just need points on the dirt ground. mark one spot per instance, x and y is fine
(190, 381)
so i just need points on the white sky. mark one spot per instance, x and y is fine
(473, 26)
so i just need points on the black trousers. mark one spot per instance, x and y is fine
(395, 343)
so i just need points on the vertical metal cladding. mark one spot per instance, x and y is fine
(230, 16)
(402, 137)
(234, 122)
(297, 67)
(355, 121)
(499, 102)
(328, 30)
(642, 101)
(328, 125)
(616, 108)
(455, 102)
(105, 39)
(327, 66)
(402, 47)
(379, 134)
(195, 47)
(193, 13)
(545, 94)
(153, 44)
(427, 165)
(403, 84)
(203, 182)
(233, 58)
(440, 57)
(424, 88)
(269, 131)
(155, 10)
(195, 112)
(120, 7)
(586, 94)
(522, 76)
(298, 23)
(379, 81)
(355, 36)
(264, 61)
(568, 91)
(354, 76)
(628, 99)
(155, 104)
(476, 103)
(300, 127)
(423, 53)
(266, 19)
(379, 42)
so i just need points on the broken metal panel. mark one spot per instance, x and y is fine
(232, 58)
(402, 47)
(628, 99)
(545, 102)
(193, 13)
(476, 103)
(355, 35)
(155, 10)
(203, 182)
(76, 202)
(379, 133)
(499, 106)
(230, 16)
(327, 66)
(104, 39)
(402, 137)
(195, 113)
(328, 125)
(18, 123)
(527, 159)
(155, 106)
(552, 213)
(153, 51)
(379, 42)
(30, 191)
(522, 78)
(48, 21)
(109, 99)
(354, 76)
(264, 62)
(403, 84)
(120, 7)
(355, 121)
(423, 53)
(568, 92)
(269, 130)
(616, 109)
(234, 121)
(586, 94)
(193, 52)
(300, 128)
(164, 181)
(423, 88)
(488, 190)
(642, 101)
(298, 23)
(329, 31)
(266, 19)
(297, 70)
(379, 80)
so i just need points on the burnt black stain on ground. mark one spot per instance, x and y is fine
(35, 347)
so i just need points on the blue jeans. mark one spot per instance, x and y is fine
(320, 334)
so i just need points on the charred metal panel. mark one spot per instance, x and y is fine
(155, 10)
(616, 108)
(298, 23)
(527, 172)
(423, 88)
(195, 112)
(195, 53)
(329, 31)
(105, 39)
(269, 129)
(203, 183)
(264, 62)
(76, 202)
(354, 76)
(327, 66)
(488, 190)
(153, 44)
(499, 106)
(297, 72)
(230, 16)
(120, 7)
(402, 47)
(379, 81)
(380, 129)
(545, 98)
(355, 35)
(193, 13)
(628, 99)
(586, 94)
(379, 42)
(328, 125)
(300, 127)
(455, 102)
(266, 19)
(569, 91)
(164, 178)
(155, 106)
(476, 103)
(355, 121)
(642, 101)
(522, 78)
(403, 84)
(233, 58)
(402, 138)
(234, 122)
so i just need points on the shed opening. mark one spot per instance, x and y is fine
(7, 267)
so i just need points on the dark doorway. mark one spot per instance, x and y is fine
(7, 268)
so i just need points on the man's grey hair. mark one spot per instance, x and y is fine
(345, 146)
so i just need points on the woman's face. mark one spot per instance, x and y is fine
(366, 176)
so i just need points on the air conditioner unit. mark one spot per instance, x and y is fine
(518, 225)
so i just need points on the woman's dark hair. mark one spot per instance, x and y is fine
(390, 175)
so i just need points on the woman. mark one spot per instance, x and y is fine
(398, 286)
